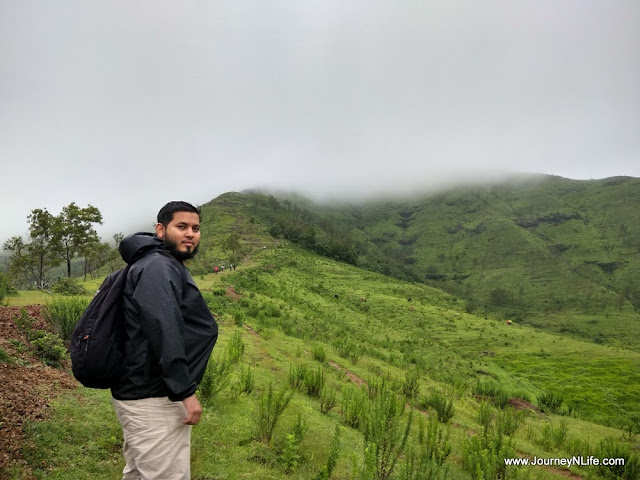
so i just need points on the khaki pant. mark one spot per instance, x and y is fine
(157, 445)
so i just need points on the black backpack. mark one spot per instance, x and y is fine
(97, 344)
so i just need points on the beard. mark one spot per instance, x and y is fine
(179, 254)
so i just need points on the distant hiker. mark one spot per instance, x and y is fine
(170, 333)
(223, 267)
(215, 270)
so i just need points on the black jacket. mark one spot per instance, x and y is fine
(170, 331)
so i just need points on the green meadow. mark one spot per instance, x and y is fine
(325, 370)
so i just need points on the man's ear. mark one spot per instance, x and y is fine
(160, 230)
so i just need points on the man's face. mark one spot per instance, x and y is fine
(182, 235)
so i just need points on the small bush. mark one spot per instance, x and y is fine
(24, 322)
(314, 382)
(49, 348)
(247, 381)
(64, 313)
(609, 448)
(347, 349)
(270, 408)
(238, 318)
(486, 414)
(483, 456)
(384, 436)
(353, 406)
(216, 378)
(441, 403)
(297, 375)
(6, 288)
(509, 420)
(235, 348)
(550, 402)
(4, 356)
(553, 437)
(319, 354)
(68, 286)
(327, 400)
(410, 386)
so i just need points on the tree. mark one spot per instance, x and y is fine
(231, 243)
(32, 261)
(74, 234)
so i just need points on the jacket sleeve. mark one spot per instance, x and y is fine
(158, 297)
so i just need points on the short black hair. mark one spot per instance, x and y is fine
(165, 215)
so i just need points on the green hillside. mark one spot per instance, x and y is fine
(350, 346)
(560, 254)
(437, 384)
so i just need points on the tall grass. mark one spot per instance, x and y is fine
(64, 313)
(271, 405)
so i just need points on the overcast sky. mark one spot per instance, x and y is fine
(128, 104)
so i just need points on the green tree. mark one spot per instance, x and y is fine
(74, 234)
(231, 243)
(32, 261)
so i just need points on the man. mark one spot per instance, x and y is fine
(170, 333)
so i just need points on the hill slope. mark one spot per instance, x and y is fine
(560, 254)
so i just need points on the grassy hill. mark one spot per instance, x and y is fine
(294, 321)
(560, 254)
(396, 367)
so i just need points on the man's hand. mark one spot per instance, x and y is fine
(194, 410)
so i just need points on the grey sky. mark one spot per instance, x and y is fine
(126, 105)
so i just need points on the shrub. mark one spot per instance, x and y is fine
(6, 288)
(353, 406)
(609, 448)
(314, 382)
(497, 395)
(319, 354)
(483, 455)
(64, 313)
(247, 381)
(270, 408)
(553, 436)
(68, 286)
(384, 437)
(49, 348)
(550, 402)
(427, 461)
(297, 375)
(327, 400)
(410, 386)
(290, 453)
(216, 378)
(442, 405)
(235, 348)
(238, 318)
(486, 415)
(4, 356)
(509, 420)
(347, 349)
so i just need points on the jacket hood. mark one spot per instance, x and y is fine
(136, 246)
